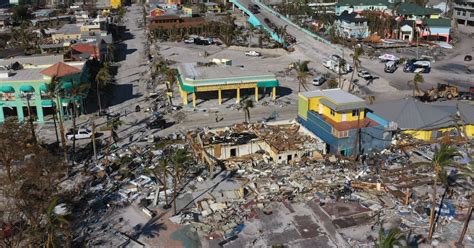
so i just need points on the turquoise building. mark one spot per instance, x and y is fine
(25, 90)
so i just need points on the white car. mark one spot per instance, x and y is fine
(82, 133)
(189, 41)
(361, 73)
(253, 53)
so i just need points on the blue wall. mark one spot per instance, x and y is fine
(372, 138)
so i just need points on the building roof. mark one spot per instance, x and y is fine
(60, 70)
(337, 99)
(410, 113)
(350, 17)
(413, 9)
(438, 22)
(87, 48)
(24, 75)
(35, 60)
(465, 110)
(69, 29)
(193, 71)
(363, 3)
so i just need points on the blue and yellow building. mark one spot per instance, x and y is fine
(343, 121)
(28, 87)
(194, 78)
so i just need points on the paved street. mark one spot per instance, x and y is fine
(449, 70)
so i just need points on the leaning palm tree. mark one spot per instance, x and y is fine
(417, 79)
(179, 158)
(246, 106)
(102, 81)
(51, 89)
(358, 51)
(302, 70)
(170, 81)
(441, 159)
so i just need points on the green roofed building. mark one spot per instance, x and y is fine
(194, 78)
(24, 89)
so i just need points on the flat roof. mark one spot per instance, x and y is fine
(337, 99)
(24, 75)
(69, 29)
(192, 71)
(44, 59)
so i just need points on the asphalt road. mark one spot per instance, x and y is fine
(450, 69)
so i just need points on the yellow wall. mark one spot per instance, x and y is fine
(115, 3)
(314, 106)
(435, 16)
(470, 131)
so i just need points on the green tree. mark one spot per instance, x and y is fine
(56, 225)
(59, 93)
(102, 81)
(109, 55)
(341, 64)
(76, 93)
(302, 73)
(388, 240)
(417, 79)
(358, 51)
(21, 13)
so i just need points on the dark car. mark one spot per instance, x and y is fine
(467, 58)
(156, 124)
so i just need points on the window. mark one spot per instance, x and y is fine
(340, 134)
(355, 112)
(333, 113)
(233, 152)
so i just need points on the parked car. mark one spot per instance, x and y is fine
(82, 133)
(365, 75)
(156, 124)
(189, 41)
(319, 80)
(390, 67)
(253, 53)
(467, 58)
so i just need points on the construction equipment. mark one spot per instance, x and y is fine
(442, 91)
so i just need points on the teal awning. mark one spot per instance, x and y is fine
(66, 85)
(273, 83)
(43, 87)
(47, 103)
(27, 88)
(6, 89)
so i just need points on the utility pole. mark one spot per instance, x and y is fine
(93, 139)
(466, 225)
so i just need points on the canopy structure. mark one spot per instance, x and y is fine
(389, 57)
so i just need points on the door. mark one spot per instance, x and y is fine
(344, 117)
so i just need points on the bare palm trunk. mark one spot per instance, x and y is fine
(466, 225)
(98, 97)
(432, 213)
(61, 129)
(440, 206)
(55, 124)
(74, 133)
(175, 193)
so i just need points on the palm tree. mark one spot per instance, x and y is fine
(179, 158)
(59, 94)
(388, 240)
(417, 79)
(170, 81)
(54, 223)
(370, 99)
(441, 159)
(102, 81)
(342, 64)
(246, 106)
(358, 51)
(51, 89)
(76, 91)
(109, 56)
(302, 70)
(114, 124)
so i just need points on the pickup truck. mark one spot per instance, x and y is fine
(82, 133)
